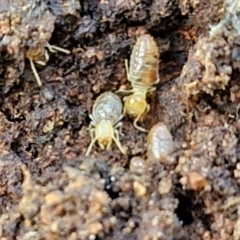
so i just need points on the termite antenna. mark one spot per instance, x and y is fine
(119, 146)
(53, 49)
(137, 126)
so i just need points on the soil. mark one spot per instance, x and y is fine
(50, 190)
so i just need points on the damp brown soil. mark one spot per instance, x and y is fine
(50, 190)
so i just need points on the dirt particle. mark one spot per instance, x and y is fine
(196, 181)
(139, 188)
(165, 185)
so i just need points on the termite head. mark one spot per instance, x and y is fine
(104, 134)
(135, 105)
(38, 54)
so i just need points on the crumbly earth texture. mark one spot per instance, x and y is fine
(49, 190)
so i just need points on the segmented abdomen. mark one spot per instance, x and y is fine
(107, 106)
(143, 69)
(159, 142)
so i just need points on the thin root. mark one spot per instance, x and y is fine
(39, 82)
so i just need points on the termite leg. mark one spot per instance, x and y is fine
(116, 140)
(158, 76)
(146, 111)
(46, 56)
(119, 126)
(127, 69)
(120, 117)
(93, 140)
(39, 82)
(137, 126)
(41, 62)
(92, 133)
(91, 123)
(124, 91)
(53, 49)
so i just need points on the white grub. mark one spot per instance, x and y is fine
(159, 143)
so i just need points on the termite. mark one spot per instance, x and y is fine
(143, 75)
(105, 123)
(159, 143)
(40, 56)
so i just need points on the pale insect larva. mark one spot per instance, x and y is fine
(105, 123)
(143, 75)
(40, 56)
(159, 143)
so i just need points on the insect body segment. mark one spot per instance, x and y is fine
(105, 125)
(143, 75)
(159, 142)
(144, 61)
(136, 107)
